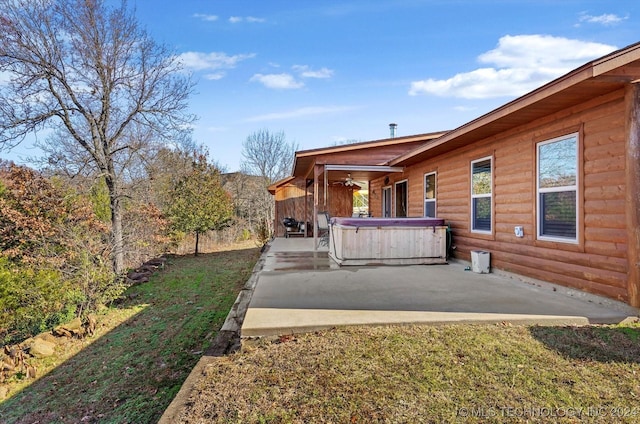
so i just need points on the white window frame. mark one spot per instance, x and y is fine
(574, 188)
(389, 190)
(435, 194)
(478, 196)
(395, 197)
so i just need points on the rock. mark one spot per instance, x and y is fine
(136, 276)
(61, 332)
(49, 337)
(70, 329)
(139, 278)
(79, 333)
(74, 324)
(41, 348)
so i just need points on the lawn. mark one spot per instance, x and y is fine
(143, 350)
(146, 346)
(454, 373)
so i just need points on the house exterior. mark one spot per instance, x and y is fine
(549, 183)
(318, 180)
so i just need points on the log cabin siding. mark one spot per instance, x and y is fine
(597, 262)
(290, 202)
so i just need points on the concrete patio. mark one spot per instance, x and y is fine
(300, 290)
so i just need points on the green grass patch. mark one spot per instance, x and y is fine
(143, 350)
(457, 373)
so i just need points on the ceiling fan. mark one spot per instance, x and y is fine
(348, 181)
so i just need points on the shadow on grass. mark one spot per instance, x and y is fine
(132, 371)
(593, 343)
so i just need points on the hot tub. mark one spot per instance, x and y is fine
(388, 241)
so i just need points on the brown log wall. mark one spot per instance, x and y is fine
(290, 200)
(598, 263)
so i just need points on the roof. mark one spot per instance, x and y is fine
(305, 159)
(601, 76)
(272, 188)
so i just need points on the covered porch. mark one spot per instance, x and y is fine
(324, 181)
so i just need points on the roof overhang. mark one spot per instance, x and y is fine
(272, 188)
(304, 160)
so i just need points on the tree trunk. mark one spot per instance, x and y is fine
(117, 236)
(197, 240)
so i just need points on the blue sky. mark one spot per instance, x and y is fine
(328, 71)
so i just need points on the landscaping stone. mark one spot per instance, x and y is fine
(40, 348)
(70, 329)
(48, 336)
(61, 332)
(74, 324)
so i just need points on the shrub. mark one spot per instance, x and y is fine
(32, 301)
(54, 252)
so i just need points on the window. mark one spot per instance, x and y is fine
(481, 195)
(401, 199)
(386, 202)
(430, 195)
(557, 186)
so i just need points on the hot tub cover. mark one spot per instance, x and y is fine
(387, 222)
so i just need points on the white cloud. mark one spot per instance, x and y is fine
(277, 81)
(199, 61)
(464, 108)
(215, 76)
(300, 113)
(306, 72)
(604, 19)
(521, 63)
(204, 17)
(250, 19)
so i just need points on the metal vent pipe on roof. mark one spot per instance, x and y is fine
(392, 130)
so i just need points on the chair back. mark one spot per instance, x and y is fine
(323, 221)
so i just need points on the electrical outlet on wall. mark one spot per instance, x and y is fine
(519, 231)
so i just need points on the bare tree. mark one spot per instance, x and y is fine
(269, 156)
(90, 73)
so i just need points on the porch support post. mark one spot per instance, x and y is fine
(306, 207)
(317, 171)
(632, 195)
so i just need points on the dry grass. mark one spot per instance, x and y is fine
(457, 373)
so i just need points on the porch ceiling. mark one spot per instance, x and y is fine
(358, 172)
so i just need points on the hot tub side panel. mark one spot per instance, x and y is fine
(350, 245)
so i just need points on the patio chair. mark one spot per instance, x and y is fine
(323, 228)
